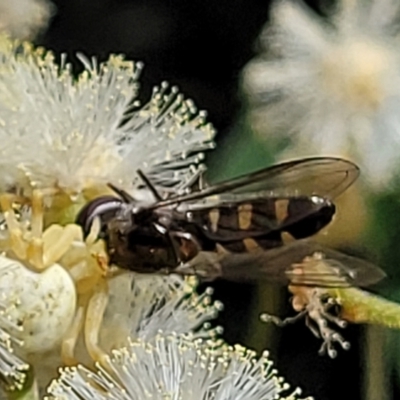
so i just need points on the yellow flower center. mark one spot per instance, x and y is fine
(355, 73)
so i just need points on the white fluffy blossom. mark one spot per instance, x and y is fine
(332, 84)
(23, 19)
(175, 367)
(75, 134)
(68, 132)
(140, 306)
(12, 369)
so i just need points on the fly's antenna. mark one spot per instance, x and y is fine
(147, 182)
(125, 196)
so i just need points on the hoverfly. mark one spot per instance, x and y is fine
(233, 230)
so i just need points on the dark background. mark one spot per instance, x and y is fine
(201, 46)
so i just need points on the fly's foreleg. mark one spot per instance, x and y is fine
(206, 265)
(283, 322)
(315, 308)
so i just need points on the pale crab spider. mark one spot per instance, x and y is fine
(85, 259)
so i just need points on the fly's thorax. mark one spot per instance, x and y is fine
(149, 240)
(141, 246)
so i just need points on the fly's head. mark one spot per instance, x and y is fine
(137, 237)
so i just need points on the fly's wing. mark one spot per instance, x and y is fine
(296, 263)
(300, 263)
(326, 177)
(231, 221)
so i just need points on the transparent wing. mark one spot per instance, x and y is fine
(323, 176)
(294, 264)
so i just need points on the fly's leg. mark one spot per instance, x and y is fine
(206, 265)
(313, 305)
(94, 318)
(318, 315)
(283, 322)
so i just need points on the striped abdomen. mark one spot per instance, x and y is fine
(259, 224)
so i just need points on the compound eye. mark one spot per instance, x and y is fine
(105, 207)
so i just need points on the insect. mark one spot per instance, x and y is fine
(241, 216)
(235, 230)
(57, 276)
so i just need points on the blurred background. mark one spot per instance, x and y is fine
(269, 109)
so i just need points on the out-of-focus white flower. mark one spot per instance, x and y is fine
(24, 19)
(333, 83)
(59, 131)
(175, 367)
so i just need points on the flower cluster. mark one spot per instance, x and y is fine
(65, 138)
(13, 369)
(139, 308)
(175, 367)
(68, 137)
(89, 129)
(331, 83)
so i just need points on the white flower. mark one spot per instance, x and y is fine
(75, 134)
(59, 131)
(332, 84)
(12, 369)
(35, 311)
(140, 306)
(175, 367)
(23, 19)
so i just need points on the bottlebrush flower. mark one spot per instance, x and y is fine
(332, 84)
(140, 307)
(66, 137)
(12, 369)
(68, 133)
(175, 367)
